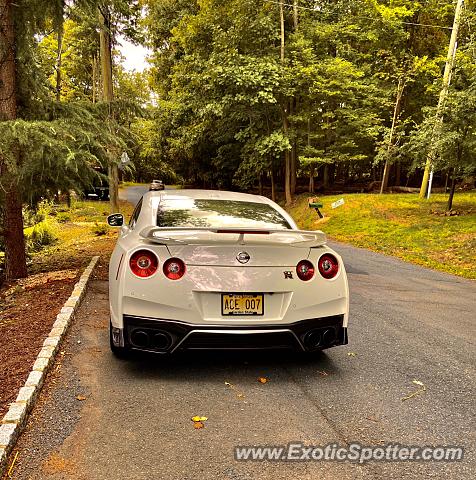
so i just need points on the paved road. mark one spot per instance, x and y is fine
(132, 194)
(407, 323)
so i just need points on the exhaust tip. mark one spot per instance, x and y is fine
(329, 336)
(161, 341)
(139, 338)
(312, 340)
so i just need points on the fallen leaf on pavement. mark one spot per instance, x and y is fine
(199, 419)
(12, 466)
(351, 354)
(321, 372)
(238, 393)
(421, 390)
(80, 398)
(262, 379)
(198, 425)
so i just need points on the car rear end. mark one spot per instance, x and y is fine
(258, 283)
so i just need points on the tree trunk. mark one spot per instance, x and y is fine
(295, 14)
(95, 78)
(398, 174)
(396, 111)
(8, 104)
(311, 181)
(452, 191)
(15, 257)
(105, 43)
(447, 177)
(450, 60)
(59, 57)
(326, 176)
(385, 176)
(287, 156)
(281, 18)
(273, 186)
(287, 178)
(260, 185)
(294, 159)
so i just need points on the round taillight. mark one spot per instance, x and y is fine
(305, 270)
(143, 263)
(174, 268)
(328, 266)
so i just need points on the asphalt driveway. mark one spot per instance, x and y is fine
(101, 418)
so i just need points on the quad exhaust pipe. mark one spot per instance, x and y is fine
(320, 338)
(150, 339)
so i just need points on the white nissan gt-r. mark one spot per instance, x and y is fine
(199, 269)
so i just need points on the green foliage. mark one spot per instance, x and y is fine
(450, 138)
(58, 154)
(100, 229)
(63, 217)
(40, 235)
(223, 91)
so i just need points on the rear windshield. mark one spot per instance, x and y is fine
(189, 212)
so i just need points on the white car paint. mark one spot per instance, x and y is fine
(212, 268)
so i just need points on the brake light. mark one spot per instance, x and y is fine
(328, 266)
(174, 268)
(305, 270)
(143, 263)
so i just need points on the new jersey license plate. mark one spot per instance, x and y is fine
(242, 304)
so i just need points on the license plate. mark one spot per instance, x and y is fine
(242, 304)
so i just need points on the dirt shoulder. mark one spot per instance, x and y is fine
(28, 307)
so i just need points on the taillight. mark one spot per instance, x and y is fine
(174, 268)
(328, 266)
(305, 270)
(143, 263)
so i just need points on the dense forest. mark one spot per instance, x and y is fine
(259, 91)
(241, 94)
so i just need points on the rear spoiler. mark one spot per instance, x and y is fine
(232, 236)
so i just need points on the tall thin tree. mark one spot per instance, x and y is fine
(15, 257)
(285, 111)
(105, 45)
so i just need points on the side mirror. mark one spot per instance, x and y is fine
(115, 220)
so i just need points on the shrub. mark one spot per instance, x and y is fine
(40, 235)
(63, 217)
(100, 229)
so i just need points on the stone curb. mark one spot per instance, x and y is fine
(15, 419)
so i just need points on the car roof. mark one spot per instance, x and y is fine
(209, 195)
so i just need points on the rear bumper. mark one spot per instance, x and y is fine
(169, 336)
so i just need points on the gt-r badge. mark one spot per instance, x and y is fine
(243, 257)
(288, 274)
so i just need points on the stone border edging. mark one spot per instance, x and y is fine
(15, 419)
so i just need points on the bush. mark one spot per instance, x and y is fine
(33, 216)
(100, 229)
(40, 235)
(63, 217)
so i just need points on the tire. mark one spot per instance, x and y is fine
(119, 352)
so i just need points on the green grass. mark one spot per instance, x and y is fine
(401, 225)
(81, 231)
